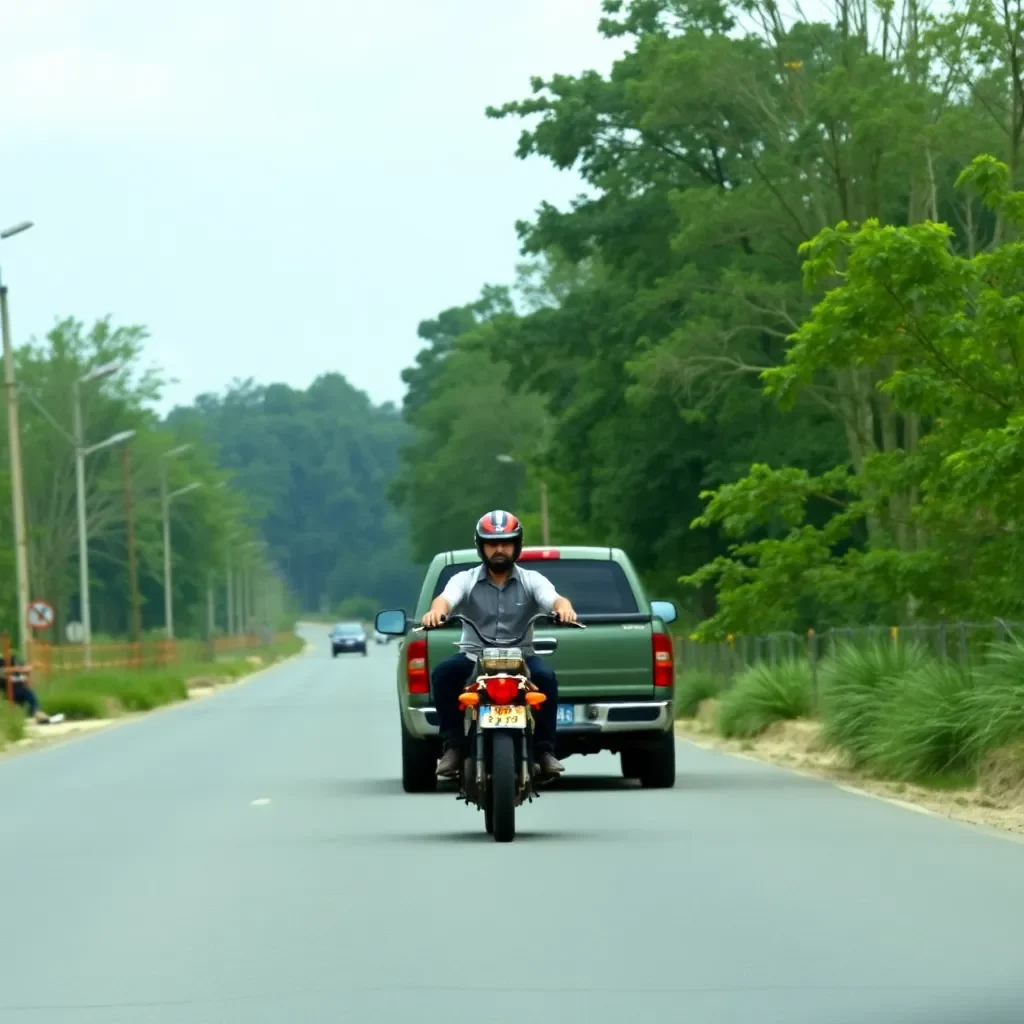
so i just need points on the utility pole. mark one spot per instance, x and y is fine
(133, 577)
(17, 483)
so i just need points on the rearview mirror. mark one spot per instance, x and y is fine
(664, 610)
(392, 622)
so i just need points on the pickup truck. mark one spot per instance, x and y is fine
(615, 679)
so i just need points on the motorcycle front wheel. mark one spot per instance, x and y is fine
(503, 787)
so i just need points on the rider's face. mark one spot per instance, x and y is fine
(503, 552)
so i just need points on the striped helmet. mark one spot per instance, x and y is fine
(498, 526)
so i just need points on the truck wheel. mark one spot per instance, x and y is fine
(632, 763)
(503, 786)
(658, 764)
(419, 764)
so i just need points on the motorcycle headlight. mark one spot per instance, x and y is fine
(502, 659)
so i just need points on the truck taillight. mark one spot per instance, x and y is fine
(664, 660)
(416, 672)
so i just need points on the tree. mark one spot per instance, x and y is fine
(942, 332)
(314, 466)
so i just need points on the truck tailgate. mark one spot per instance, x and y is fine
(604, 660)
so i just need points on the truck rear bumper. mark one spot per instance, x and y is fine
(588, 718)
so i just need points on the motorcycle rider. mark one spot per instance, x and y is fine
(500, 598)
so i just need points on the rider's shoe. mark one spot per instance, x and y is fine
(549, 764)
(450, 763)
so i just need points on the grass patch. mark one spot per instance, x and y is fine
(693, 687)
(925, 730)
(12, 723)
(102, 693)
(765, 694)
(855, 684)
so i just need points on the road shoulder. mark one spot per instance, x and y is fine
(797, 746)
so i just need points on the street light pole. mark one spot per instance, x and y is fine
(165, 508)
(545, 523)
(80, 453)
(83, 541)
(17, 483)
(133, 576)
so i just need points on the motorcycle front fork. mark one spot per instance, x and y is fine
(479, 761)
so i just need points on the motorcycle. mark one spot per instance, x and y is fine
(500, 772)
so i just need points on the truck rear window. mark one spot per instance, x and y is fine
(594, 587)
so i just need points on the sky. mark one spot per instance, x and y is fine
(274, 189)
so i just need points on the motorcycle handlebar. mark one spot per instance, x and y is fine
(491, 641)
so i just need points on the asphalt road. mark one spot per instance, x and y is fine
(251, 858)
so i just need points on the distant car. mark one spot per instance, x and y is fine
(381, 638)
(348, 638)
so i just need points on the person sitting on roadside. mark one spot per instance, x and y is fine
(23, 695)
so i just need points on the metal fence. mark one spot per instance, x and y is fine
(965, 643)
(48, 660)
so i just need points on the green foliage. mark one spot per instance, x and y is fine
(899, 713)
(102, 693)
(765, 694)
(924, 729)
(361, 608)
(692, 688)
(934, 337)
(996, 704)
(855, 684)
(206, 522)
(12, 723)
(312, 467)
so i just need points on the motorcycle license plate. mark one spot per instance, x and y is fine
(500, 716)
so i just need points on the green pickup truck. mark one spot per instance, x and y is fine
(615, 679)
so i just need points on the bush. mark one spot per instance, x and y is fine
(996, 706)
(763, 695)
(692, 688)
(12, 722)
(100, 693)
(74, 703)
(925, 728)
(854, 684)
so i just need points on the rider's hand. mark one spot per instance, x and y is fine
(432, 619)
(564, 611)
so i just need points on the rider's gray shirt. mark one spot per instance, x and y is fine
(498, 611)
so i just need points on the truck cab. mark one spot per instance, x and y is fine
(615, 679)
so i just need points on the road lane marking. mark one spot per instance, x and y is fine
(260, 802)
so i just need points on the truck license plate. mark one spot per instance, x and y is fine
(566, 714)
(501, 716)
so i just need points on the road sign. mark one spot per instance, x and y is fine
(40, 615)
(75, 632)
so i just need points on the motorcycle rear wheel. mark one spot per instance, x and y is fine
(502, 800)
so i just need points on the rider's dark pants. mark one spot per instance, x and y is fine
(452, 674)
(26, 697)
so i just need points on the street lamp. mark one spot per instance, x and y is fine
(14, 440)
(165, 509)
(166, 497)
(545, 525)
(83, 540)
(81, 451)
